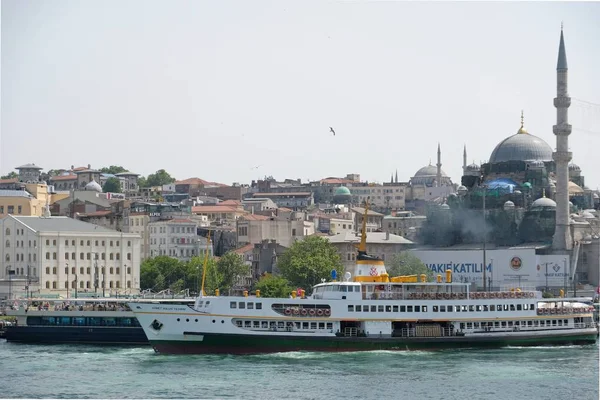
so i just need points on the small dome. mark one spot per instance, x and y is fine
(473, 167)
(509, 205)
(342, 191)
(543, 202)
(93, 186)
(536, 164)
(518, 192)
(462, 190)
(445, 206)
(342, 195)
(526, 185)
(574, 167)
(587, 215)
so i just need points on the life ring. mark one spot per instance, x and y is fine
(461, 296)
(485, 295)
(319, 312)
(446, 296)
(512, 295)
(454, 295)
(288, 311)
(303, 311)
(327, 312)
(296, 311)
(311, 312)
(438, 296)
(519, 295)
(540, 311)
(553, 311)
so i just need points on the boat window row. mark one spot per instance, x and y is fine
(250, 305)
(337, 288)
(83, 321)
(515, 324)
(283, 325)
(439, 308)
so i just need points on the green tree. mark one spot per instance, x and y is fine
(230, 267)
(159, 178)
(112, 185)
(308, 261)
(113, 169)
(212, 279)
(273, 286)
(142, 182)
(406, 263)
(10, 175)
(160, 272)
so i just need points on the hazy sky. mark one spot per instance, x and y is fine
(212, 89)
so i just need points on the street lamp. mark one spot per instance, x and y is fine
(67, 264)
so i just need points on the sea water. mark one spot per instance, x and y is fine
(71, 371)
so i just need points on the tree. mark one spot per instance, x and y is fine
(231, 266)
(406, 263)
(10, 175)
(309, 261)
(212, 278)
(273, 286)
(159, 178)
(113, 169)
(112, 185)
(142, 182)
(159, 273)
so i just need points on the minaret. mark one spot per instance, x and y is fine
(439, 167)
(396, 176)
(562, 234)
(465, 159)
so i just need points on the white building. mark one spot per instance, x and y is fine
(60, 256)
(380, 197)
(175, 238)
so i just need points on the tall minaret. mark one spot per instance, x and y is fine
(396, 176)
(465, 160)
(439, 167)
(562, 234)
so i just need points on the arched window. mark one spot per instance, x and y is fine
(66, 285)
(7, 243)
(129, 284)
(129, 256)
(118, 255)
(54, 270)
(48, 270)
(111, 270)
(7, 257)
(111, 284)
(7, 231)
(66, 256)
(47, 256)
(81, 284)
(54, 285)
(87, 284)
(47, 284)
(72, 256)
(111, 256)
(128, 270)
(118, 284)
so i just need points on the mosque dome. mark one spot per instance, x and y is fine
(429, 170)
(543, 202)
(445, 206)
(587, 215)
(574, 167)
(521, 146)
(536, 164)
(473, 167)
(342, 195)
(574, 189)
(93, 186)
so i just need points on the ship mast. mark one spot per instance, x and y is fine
(202, 293)
(362, 247)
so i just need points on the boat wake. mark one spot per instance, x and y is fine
(304, 355)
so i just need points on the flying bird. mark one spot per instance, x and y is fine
(332, 131)
(257, 167)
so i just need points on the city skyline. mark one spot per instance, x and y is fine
(215, 89)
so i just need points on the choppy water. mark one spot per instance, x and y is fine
(61, 371)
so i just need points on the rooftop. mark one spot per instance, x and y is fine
(255, 217)
(63, 177)
(282, 194)
(29, 166)
(215, 209)
(372, 237)
(361, 211)
(60, 224)
(15, 193)
(244, 249)
(13, 180)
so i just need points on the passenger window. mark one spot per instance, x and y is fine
(365, 308)
(479, 308)
(456, 308)
(351, 308)
(409, 308)
(424, 308)
(358, 308)
(402, 308)
(259, 306)
(241, 305)
(313, 325)
(395, 308)
(379, 308)
(373, 308)
(518, 307)
(250, 306)
(388, 308)
(329, 325)
(232, 304)
(417, 308)
(434, 308)
(471, 308)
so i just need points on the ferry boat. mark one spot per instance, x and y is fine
(89, 321)
(369, 311)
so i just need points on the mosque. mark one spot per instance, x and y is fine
(531, 195)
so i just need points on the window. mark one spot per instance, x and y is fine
(111, 243)
(66, 243)
(111, 270)
(409, 308)
(54, 256)
(250, 306)
(118, 255)
(395, 308)
(111, 256)
(96, 243)
(118, 243)
(89, 242)
(241, 305)
(379, 308)
(232, 304)
(81, 242)
(66, 256)
(54, 243)
(351, 308)
(118, 270)
(259, 306)
(47, 242)
(129, 256)
(47, 284)
(48, 270)
(417, 308)
(47, 256)
(81, 270)
(129, 243)
(518, 307)
(128, 270)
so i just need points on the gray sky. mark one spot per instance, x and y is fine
(211, 89)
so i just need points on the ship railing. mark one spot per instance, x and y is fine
(583, 325)
(432, 332)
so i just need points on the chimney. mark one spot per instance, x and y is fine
(89, 166)
(387, 236)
